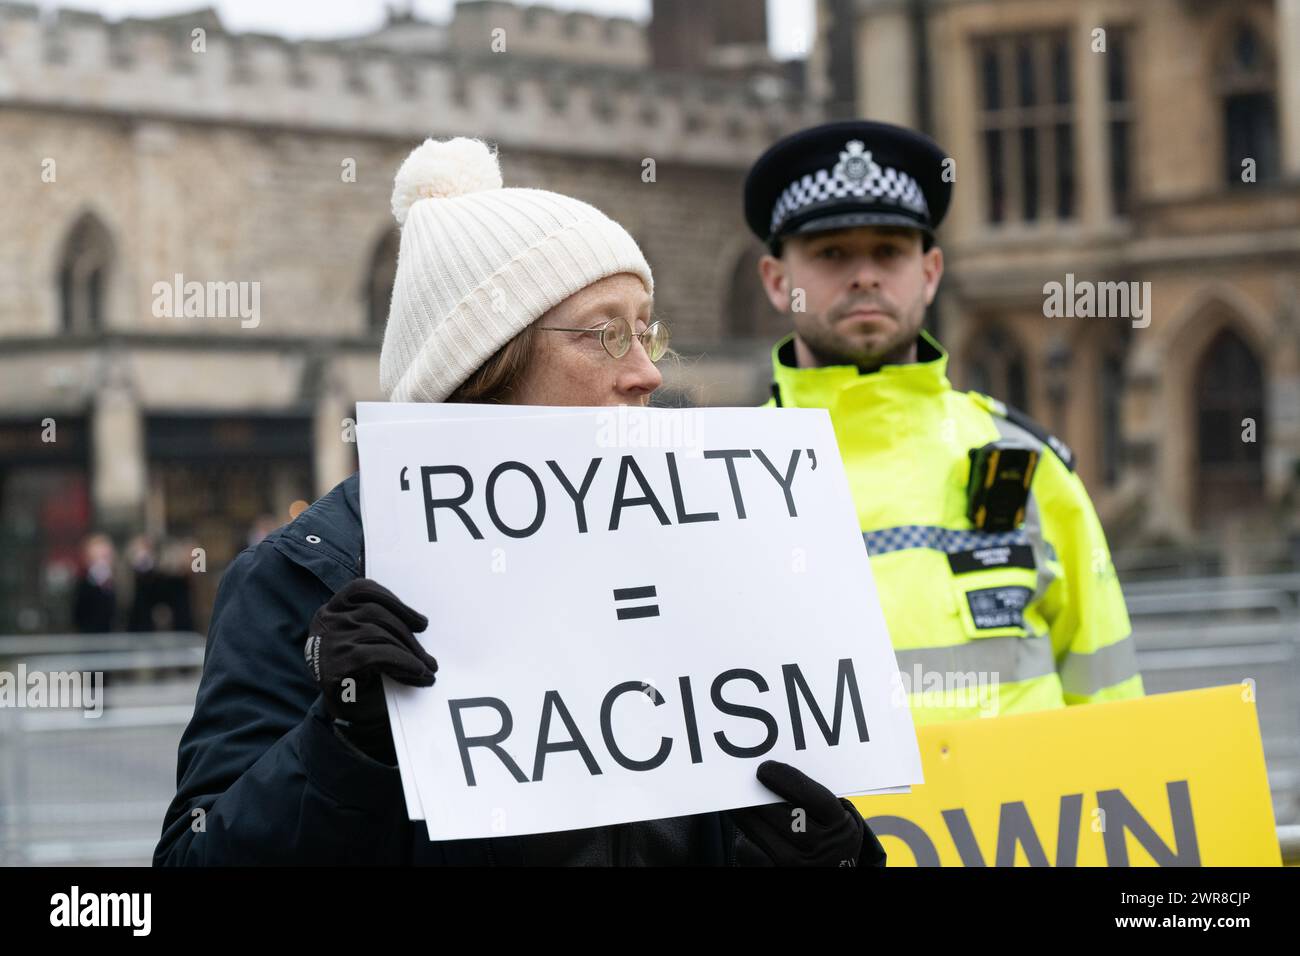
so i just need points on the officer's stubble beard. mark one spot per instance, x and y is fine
(820, 336)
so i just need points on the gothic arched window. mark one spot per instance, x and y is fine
(1111, 364)
(83, 276)
(380, 279)
(749, 313)
(1229, 396)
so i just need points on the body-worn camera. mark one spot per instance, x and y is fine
(998, 488)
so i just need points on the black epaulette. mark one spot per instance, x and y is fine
(1063, 451)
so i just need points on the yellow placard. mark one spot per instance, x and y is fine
(1170, 779)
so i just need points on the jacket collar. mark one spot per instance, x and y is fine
(326, 539)
(822, 387)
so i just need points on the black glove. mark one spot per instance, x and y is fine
(830, 832)
(364, 631)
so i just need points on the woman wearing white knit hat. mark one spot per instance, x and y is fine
(483, 270)
(516, 296)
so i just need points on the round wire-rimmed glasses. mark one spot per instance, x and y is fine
(616, 336)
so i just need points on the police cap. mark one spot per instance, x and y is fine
(846, 174)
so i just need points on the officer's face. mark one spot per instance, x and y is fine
(570, 368)
(863, 292)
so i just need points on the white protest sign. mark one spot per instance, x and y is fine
(624, 633)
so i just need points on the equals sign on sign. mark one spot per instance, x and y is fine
(634, 594)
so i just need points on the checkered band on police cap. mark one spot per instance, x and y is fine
(856, 175)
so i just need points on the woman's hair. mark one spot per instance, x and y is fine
(497, 378)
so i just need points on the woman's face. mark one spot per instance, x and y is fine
(571, 368)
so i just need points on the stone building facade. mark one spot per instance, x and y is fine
(145, 154)
(1105, 142)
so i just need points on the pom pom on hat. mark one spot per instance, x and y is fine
(442, 170)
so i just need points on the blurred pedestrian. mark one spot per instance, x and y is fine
(161, 600)
(94, 604)
(174, 569)
(144, 583)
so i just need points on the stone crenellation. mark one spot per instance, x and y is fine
(543, 92)
(550, 33)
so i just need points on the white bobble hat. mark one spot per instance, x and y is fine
(478, 264)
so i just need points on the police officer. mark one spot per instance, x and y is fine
(989, 561)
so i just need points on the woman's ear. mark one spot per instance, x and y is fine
(776, 283)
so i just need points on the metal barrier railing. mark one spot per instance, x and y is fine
(1288, 838)
(27, 645)
(80, 790)
(74, 790)
(1206, 632)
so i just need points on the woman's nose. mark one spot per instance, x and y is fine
(638, 375)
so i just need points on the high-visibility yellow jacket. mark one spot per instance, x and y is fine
(983, 623)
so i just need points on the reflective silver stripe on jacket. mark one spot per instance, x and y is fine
(1009, 658)
(1085, 674)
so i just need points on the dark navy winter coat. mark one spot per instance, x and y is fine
(277, 785)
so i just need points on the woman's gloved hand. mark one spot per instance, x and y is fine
(828, 832)
(362, 632)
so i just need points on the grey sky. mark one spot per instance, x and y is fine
(789, 21)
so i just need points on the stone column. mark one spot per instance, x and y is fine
(1287, 45)
(1282, 399)
(1150, 469)
(118, 466)
(159, 247)
(333, 455)
(1091, 132)
(886, 70)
